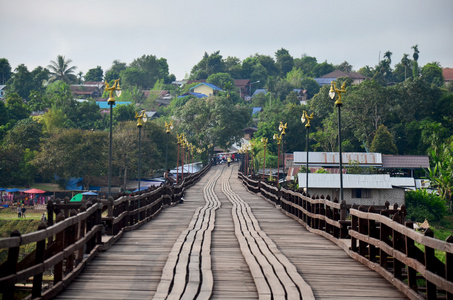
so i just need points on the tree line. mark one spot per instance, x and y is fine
(401, 110)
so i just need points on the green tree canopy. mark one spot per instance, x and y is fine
(382, 142)
(95, 74)
(61, 70)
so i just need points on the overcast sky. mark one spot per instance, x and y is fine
(95, 32)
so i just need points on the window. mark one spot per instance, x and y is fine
(361, 193)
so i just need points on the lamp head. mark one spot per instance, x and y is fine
(303, 119)
(332, 90)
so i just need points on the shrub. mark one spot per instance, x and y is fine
(422, 205)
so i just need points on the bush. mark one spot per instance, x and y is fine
(422, 205)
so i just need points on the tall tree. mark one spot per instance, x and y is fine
(415, 57)
(115, 70)
(95, 74)
(61, 70)
(285, 61)
(5, 71)
(383, 142)
(432, 73)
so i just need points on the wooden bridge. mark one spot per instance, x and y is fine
(228, 238)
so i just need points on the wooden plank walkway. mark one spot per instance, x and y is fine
(252, 244)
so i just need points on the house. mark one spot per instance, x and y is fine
(88, 90)
(448, 76)
(205, 88)
(358, 189)
(357, 78)
(2, 91)
(243, 86)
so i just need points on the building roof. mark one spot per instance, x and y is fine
(256, 110)
(448, 74)
(350, 181)
(338, 74)
(333, 158)
(106, 105)
(259, 91)
(212, 86)
(198, 95)
(405, 161)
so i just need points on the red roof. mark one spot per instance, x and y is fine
(448, 74)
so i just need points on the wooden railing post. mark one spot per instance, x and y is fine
(59, 246)
(398, 244)
(344, 226)
(410, 252)
(371, 233)
(10, 266)
(39, 258)
(363, 229)
(449, 266)
(430, 266)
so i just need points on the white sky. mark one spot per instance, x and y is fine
(95, 32)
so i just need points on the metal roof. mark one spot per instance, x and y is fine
(333, 158)
(350, 181)
(212, 86)
(405, 161)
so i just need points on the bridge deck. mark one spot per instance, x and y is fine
(249, 248)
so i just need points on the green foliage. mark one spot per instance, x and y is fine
(61, 71)
(5, 71)
(321, 170)
(422, 205)
(96, 74)
(432, 73)
(382, 142)
(221, 80)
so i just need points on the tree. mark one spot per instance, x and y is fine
(345, 67)
(432, 73)
(73, 153)
(311, 86)
(306, 64)
(60, 70)
(209, 64)
(220, 80)
(294, 77)
(285, 61)
(95, 74)
(115, 70)
(322, 69)
(233, 66)
(382, 142)
(5, 71)
(17, 110)
(415, 57)
(20, 82)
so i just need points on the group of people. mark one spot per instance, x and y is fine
(21, 211)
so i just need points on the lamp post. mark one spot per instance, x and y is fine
(264, 141)
(179, 138)
(140, 120)
(279, 139)
(335, 93)
(306, 118)
(111, 101)
(169, 127)
(282, 129)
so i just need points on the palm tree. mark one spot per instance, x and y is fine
(405, 63)
(416, 52)
(415, 56)
(60, 70)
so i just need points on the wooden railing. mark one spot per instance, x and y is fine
(378, 237)
(63, 249)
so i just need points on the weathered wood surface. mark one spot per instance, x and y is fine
(134, 266)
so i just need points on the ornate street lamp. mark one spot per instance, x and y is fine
(141, 119)
(335, 93)
(306, 118)
(279, 140)
(282, 129)
(179, 138)
(169, 127)
(111, 101)
(264, 141)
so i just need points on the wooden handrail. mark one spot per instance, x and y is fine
(73, 241)
(379, 238)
